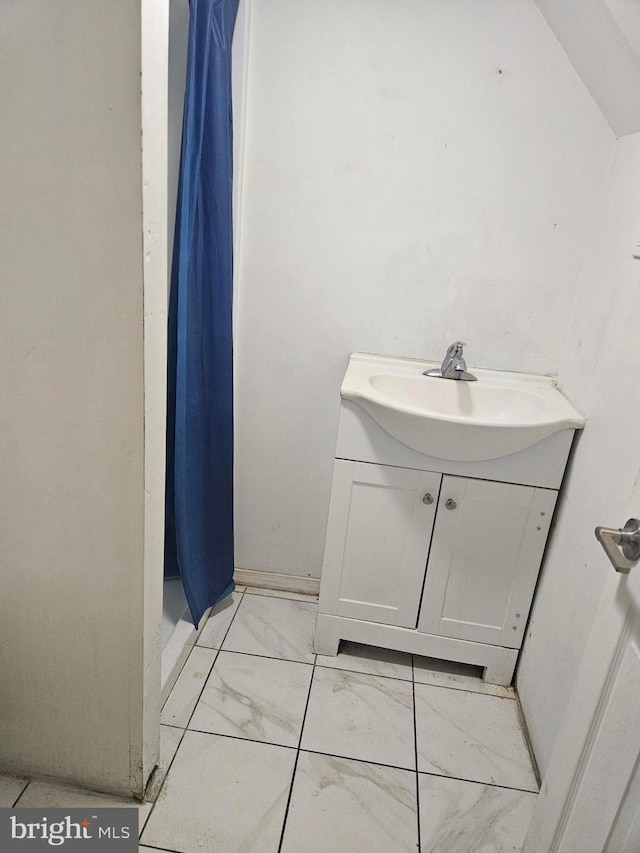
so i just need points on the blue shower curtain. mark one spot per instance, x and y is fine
(199, 488)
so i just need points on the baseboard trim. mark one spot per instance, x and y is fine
(276, 580)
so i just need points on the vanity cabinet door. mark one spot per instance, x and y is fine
(378, 535)
(485, 556)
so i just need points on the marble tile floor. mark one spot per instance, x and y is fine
(270, 748)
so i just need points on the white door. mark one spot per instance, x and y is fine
(590, 799)
(378, 535)
(485, 556)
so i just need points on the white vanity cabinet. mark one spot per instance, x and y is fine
(469, 576)
(433, 557)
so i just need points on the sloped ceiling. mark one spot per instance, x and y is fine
(602, 40)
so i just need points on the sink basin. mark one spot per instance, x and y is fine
(500, 414)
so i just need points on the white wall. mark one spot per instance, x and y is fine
(414, 172)
(598, 370)
(602, 40)
(71, 414)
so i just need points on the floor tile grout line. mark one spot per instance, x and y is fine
(19, 797)
(360, 672)
(173, 725)
(245, 739)
(463, 690)
(415, 748)
(295, 763)
(359, 760)
(254, 655)
(286, 809)
(477, 782)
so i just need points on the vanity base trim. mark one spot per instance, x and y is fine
(499, 663)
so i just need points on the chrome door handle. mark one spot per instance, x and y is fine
(622, 547)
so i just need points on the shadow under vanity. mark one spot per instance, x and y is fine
(435, 556)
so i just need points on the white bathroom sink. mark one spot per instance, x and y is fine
(499, 414)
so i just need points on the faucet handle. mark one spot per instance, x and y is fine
(456, 348)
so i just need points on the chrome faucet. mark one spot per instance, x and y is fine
(453, 366)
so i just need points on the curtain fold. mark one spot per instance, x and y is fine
(199, 488)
